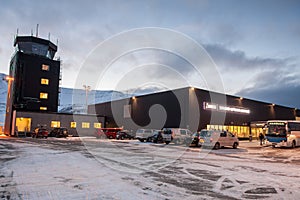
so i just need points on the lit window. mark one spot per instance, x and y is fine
(85, 125)
(43, 95)
(97, 125)
(45, 67)
(43, 108)
(73, 125)
(44, 81)
(55, 124)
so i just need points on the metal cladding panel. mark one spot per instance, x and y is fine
(180, 113)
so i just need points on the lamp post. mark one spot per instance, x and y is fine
(87, 88)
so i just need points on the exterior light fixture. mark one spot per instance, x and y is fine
(8, 78)
(192, 88)
(241, 98)
(133, 97)
(273, 104)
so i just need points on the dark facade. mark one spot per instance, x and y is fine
(34, 78)
(194, 109)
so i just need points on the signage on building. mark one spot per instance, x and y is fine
(224, 108)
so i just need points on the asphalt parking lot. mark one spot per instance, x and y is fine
(89, 168)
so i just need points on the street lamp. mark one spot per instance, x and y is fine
(87, 88)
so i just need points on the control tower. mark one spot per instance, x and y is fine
(33, 81)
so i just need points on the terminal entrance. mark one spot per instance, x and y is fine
(242, 131)
(239, 131)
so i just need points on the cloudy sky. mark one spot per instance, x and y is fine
(254, 45)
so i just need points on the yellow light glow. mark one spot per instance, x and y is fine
(43, 108)
(43, 95)
(8, 78)
(44, 81)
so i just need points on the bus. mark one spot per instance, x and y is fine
(284, 133)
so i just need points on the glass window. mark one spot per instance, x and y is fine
(85, 125)
(43, 108)
(55, 124)
(97, 125)
(45, 67)
(43, 95)
(73, 125)
(44, 81)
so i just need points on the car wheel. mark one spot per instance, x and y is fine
(141, 140)
(167, 142)
(217, 146)
(293, 144)
(235, 145)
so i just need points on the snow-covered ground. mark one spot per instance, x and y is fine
(88, 168)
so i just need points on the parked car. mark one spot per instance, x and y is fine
(157, 137)
(59, 132)
(121, 135)
(144, 134)
(218, 139)
(39, 133)
(195, 139)
(180, 135)
(109, 133)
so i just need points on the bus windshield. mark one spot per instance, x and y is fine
(277, 129)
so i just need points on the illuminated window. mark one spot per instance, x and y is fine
(97, 125)
(55, 124)
(73, 125)
(85, 125)
(43, 95)
(44, 81)
(43, 108)
(45, 67)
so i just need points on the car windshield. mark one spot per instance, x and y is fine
(205, 133)
(140, 131)
(196, 134)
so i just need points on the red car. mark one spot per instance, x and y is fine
(110, 133)
(39, 132)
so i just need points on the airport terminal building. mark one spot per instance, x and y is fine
(33, 98)
(194, 109)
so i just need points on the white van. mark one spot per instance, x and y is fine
(144, 134)
(217, 139)
(180, 135)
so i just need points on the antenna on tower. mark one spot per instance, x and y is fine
(49, 36)
(57, 42)
(31, 32)
(37, 30)
(17, 31)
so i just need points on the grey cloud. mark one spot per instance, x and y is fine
(287, 95)
(233, 60)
